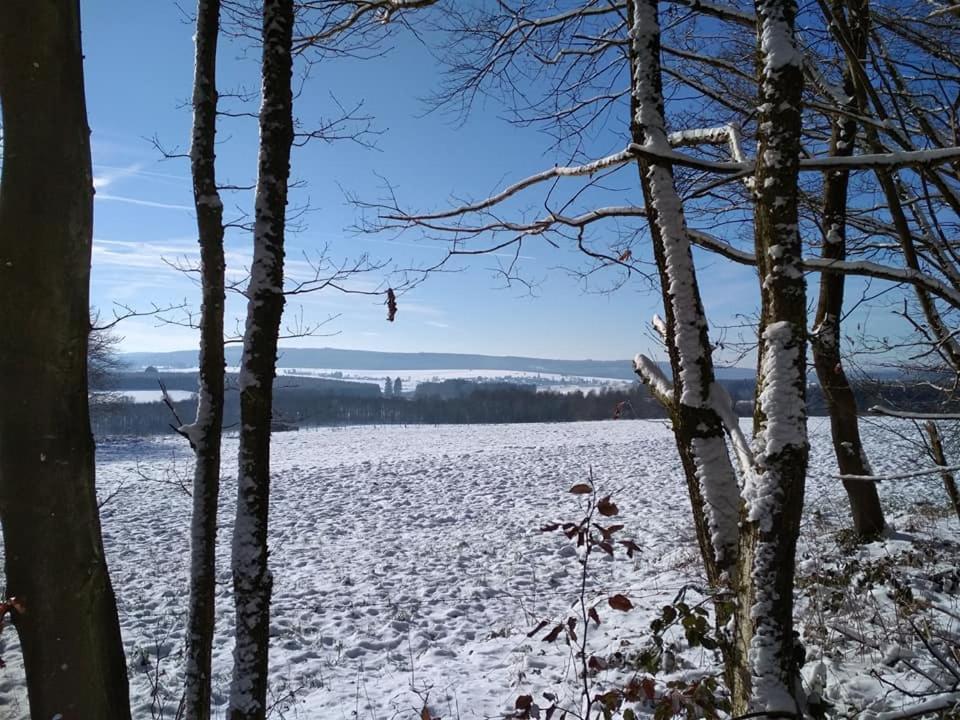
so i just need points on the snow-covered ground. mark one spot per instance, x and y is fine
(149, 396)
(409, 565)
(411, 378)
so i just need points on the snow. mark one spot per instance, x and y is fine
(653, 375)
(781, 400)
(151, 396)
(715, 475)
(782, 407)
(544, 381)
(688, 319)
(408, 560)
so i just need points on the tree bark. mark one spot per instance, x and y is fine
(252, 580)
(767, 680)
(55, 564)
(691, 403)
(851, 457)
(205, 431)
(698, 429)
(940, 458)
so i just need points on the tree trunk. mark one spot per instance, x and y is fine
(865, 505)
(940, 458)
(55, 563)
(252, 581)
(773, 496)
(698, 429)
(205, 431)
(692, 401)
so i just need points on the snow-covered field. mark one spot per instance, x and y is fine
(149, 396)
(411, 378)
(409, 565)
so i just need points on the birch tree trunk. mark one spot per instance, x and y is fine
(205, 432)
(773, 495)
(252, 581)
(851, 457)
(55, 564)
(698, 428)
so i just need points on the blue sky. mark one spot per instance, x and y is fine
(139, 63)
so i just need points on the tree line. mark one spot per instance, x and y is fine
(308, 406)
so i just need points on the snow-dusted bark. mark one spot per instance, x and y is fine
(825, 338)
(252, 581)
(204, 432)
(711, 480)
(53, 551)
(773, 494)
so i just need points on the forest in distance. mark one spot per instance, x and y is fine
(307, 402)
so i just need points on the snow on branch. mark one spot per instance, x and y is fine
(863, 268)
(620, 158)
(939, 469)
(888, 160)
(722, 404)
(653, 377)
(927, 707)
(660, 326)
(907, 415)
(729, 134)
(740, 167)
(858, 162)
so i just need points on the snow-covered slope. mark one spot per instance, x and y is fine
(409, 565)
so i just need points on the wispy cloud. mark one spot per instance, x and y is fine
(434, 323)
(141, 255)
(139, 201)
(416, 308)
(107, 175)
(116, 172)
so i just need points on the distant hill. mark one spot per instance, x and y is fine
(336, 359)
(189, 381)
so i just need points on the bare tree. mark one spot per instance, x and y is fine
(266, 293)
(205, 431)
(694, 398)
(773, 493)
(252, 581)
(54, 555)
(102, 361)
(825, 338)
